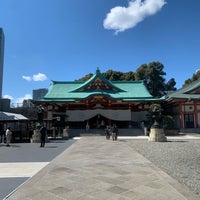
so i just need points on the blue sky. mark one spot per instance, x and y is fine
(64, 40)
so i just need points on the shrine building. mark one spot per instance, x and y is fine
(97, 102)
(184, 105)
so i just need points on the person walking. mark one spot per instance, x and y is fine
(107, 132)
(8, 136)
(115, 132)
(43, 132)
(87, 128)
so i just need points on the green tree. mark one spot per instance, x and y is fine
(119, 76)
(85, 78)
(128, 76)
(168, 122)
(170, 85)
(154, 113)
(165, 121)
(142, 73)
(153, 76)
(157, 79)
(195, 77)
(113, 75)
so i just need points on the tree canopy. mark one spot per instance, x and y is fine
(152, 74)
(195, 77)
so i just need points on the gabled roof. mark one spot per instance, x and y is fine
(191, 91)
(96, 80)
(6, 116)
(98, 85)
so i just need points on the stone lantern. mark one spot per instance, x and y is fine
(157, 132)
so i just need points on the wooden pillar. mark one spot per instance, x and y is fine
(195, 116)
(181, 115)
(109, 107)
(130, 122)
(88, 121)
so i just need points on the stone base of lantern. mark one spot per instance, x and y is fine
(35, 137)
(157, 135)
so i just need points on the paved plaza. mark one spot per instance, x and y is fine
(21, 161)
(97, 169)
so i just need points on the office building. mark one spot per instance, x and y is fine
(27, 103)
(39, 93)
(4, 105)
(2, 40)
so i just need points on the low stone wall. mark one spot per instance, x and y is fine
(171, 132)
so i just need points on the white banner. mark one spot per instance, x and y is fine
(82, 115)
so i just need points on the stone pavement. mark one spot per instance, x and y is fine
(94, 168)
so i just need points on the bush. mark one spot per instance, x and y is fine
(168, 122)
(155, 113)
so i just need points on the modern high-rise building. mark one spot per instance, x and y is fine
(2, 41)
(39, 93)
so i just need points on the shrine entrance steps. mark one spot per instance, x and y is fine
(101, 132)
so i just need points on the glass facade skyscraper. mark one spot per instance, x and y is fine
(2, 40)
(39, 93)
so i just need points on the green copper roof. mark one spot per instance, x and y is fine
(96, 76)
(98, 85)
(191, 91)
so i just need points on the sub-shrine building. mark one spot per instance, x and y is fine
(184, 106)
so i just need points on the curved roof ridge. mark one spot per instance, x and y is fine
(99, 75)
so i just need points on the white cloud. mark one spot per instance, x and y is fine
(6, 96)
(197, 70)
(27, 78)
(20, 100)
(122, 18)
(35, 77)
(17, 101)
(39, 77)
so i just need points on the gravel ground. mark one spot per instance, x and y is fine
(178, 158)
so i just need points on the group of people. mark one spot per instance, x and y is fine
(111, 131)
(8, 136)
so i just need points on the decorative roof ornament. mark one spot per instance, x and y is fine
(97, 83)
(98, 70)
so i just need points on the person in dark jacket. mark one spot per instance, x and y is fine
(43, 132)
(115, 132)
(107, 132)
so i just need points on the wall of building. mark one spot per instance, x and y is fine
(5, 105)
(39, 93)
(138, 116)
(1, 59)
